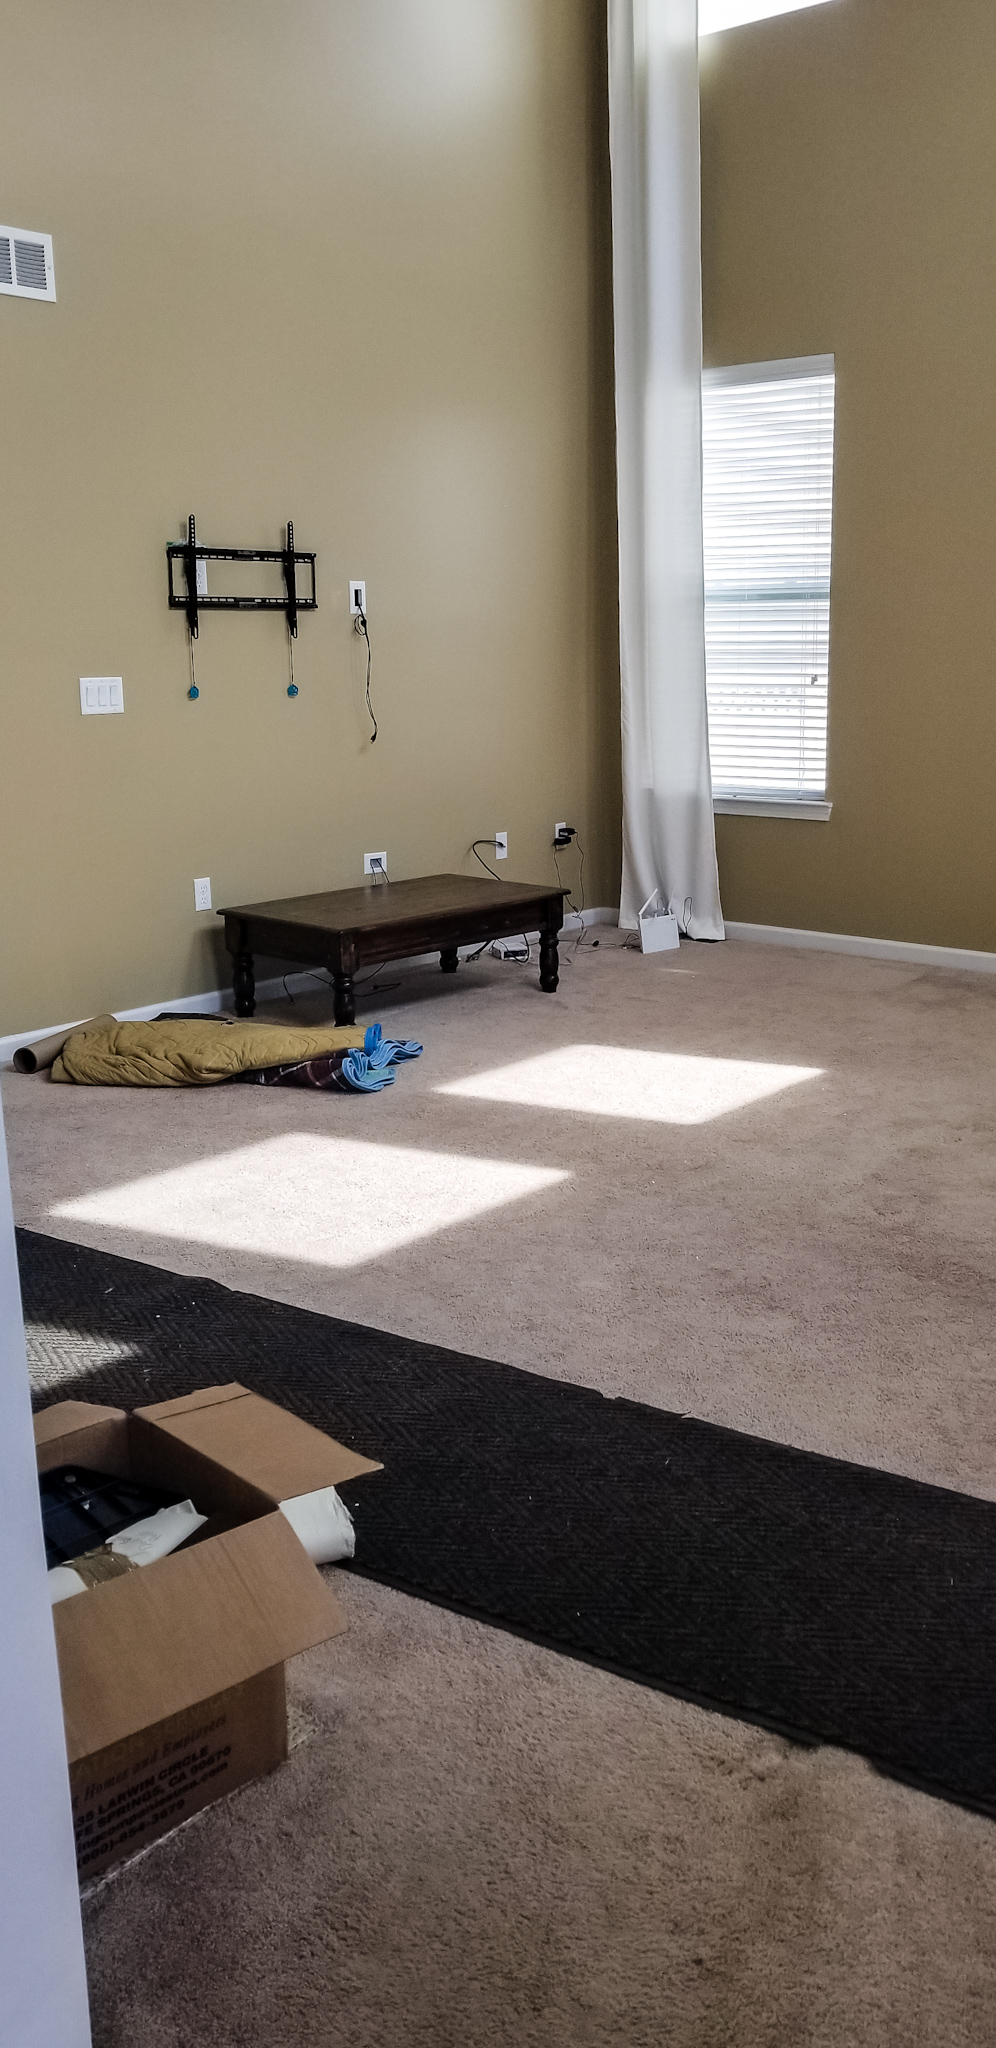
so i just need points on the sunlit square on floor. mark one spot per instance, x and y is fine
(329, 1201)
(613, 1080)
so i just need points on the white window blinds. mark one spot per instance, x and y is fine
(767, 485)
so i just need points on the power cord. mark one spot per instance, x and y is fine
(480, 857)
(360, 626)
(565, 837)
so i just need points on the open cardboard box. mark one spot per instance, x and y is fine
(173, 1675)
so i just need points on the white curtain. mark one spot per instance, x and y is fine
(669, 841)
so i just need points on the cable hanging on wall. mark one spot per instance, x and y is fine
(196, 598)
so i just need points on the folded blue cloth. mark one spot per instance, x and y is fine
(386, 1052)
(358, 1071)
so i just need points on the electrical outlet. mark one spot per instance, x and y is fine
(202, 893)
(375, 863)
(101, 693)
(202, 578)
(357, 599)
(501, 845)
(559, 830)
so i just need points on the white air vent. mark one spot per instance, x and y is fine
(26, 267)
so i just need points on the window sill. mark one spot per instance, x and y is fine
(817, 810)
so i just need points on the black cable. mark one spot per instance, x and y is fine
(484, 842)
(577, 909)
(580, 910)
(360, 626)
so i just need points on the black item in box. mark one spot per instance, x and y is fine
(82, 1509)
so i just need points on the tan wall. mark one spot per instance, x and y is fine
(342, 260)
(849, 182)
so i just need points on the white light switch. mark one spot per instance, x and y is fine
(101, 693)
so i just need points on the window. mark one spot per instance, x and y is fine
(767, 491)
(719, 14)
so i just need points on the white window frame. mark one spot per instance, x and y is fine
(815, 809)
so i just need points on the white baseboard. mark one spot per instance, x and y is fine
(212, 1000)
(901, 951)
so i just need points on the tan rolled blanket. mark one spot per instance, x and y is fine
(192, 1052)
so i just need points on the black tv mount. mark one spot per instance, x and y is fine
(192, 601)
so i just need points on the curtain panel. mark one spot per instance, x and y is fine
(669, 841)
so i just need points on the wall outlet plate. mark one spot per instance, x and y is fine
(501, 845)
(357, 598)
(101, 693)
(375, 863)
(202, 893)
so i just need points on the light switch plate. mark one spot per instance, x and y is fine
(101, 693)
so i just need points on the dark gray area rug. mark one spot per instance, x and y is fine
(825, 1600)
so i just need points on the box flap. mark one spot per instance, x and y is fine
(82, 1433)
(65, 1416)
(160, 1640)
(257, 1441)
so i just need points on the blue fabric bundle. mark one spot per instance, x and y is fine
(386, 1052)
(373, 1068)
(357, 1071)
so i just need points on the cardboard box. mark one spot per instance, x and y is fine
(173, 1675)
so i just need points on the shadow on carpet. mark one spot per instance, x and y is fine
(824, 1600)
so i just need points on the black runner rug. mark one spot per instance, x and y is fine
(825, 1600)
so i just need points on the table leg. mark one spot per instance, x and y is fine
(244, 984)
(449, 959)
(343, 999)
(549, 962)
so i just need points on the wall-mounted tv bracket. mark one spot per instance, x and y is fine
(193, 601)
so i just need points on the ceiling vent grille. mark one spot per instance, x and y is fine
(26, 267)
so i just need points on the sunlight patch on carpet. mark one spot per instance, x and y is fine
(327, 1201)
(613, 1080)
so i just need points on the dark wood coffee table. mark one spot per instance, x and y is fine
(348, 928)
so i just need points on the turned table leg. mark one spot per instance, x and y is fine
(549, 962)
(244, 984)
(449, 959)
(343, 999)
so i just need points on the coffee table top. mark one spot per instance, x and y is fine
(383, 903)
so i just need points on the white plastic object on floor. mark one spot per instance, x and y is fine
(323, 1523)
(658, 928)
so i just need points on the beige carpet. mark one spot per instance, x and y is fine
(485, 1843)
